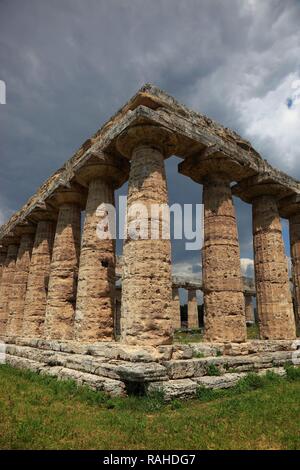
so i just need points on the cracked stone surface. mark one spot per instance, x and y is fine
(192, 307)
(96, 280)
(38, 278)
(176, 309)
(18, 292)
(8, 272)
(224, 303)
(60, 310)
(274, 301)
(294, 223)
(146, 316)
(249, 309)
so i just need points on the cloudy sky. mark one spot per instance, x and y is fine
(69, 65)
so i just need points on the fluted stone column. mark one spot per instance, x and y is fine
(38, 278)
(222, 280)
(60, 310)
(274, 302)
(147, 284)
(294, 222)
(249, 309)
(95, 305)
(192, 307)
(176, 308)
(8, 273)
(18, 292)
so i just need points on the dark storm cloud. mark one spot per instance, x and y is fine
(69, 65)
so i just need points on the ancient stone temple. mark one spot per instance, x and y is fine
(67, 310)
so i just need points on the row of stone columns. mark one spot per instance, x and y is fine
(56, 286)
(225, 309)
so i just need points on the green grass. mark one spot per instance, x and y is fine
(194, 336)
(42, 413)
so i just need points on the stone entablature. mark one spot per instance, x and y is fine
(194, 131)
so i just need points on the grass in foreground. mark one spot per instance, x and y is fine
(195, 336)
(42, 413)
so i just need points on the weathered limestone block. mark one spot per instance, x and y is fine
(223, 289)
(182, 351)
(176, 309)
(294, 222)
(193, 321)
(23, 363)
(222, 381)
(95, 304)
(61, 300)
(249, 309)
(114, 388)
(208, 350)
(181, 389)
(18, 292)
(146, 286)
(274, 302)
(38, 279)
(8, 272)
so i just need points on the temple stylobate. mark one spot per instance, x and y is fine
(58, 279)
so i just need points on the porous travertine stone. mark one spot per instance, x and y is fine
(8, 272)
(60, 310)
(249, 309)
(96, 280)
(18, 292)
(192, 309)
(223, 381)
(180, 389)
(38, 278)
(146, 284)
(176, 308)
(95, 303)
(294, 222)
(222, 281)
(274, 302)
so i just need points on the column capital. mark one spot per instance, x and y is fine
(257, 186)
(289, 206)
(73, 194)
(156, 137)
(213, 161)
(25, 228)
(112, 168)
(42, 211)
(10, 239)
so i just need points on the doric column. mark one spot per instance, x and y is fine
(8, 273)
(249, 309)
(222, 280)
(95, 305)
(176, 308)
(17, 298)
(224, 302)
(192, 307)
(38, 278)
(294, 222)
(147, 285)
(274, 302)
(60, 309)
